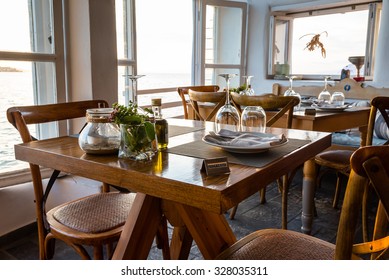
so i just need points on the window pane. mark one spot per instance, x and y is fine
(164, 43)
(223, 35)
(123, 28)
(124, 84)
(16, 88)
(212, 77)
(281, 33)
(17, 85)
(15, 26)
(346, 37)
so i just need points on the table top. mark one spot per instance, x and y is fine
(356, 110)
(353, 117)
(173, 176)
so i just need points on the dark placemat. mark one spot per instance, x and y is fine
(199, 149)
(175, 130)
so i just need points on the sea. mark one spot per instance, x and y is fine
(16, 89)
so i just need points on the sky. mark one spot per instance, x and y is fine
(16, 38)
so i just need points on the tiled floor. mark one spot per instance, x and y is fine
(251, 216)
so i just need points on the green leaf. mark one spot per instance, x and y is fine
(150, 130)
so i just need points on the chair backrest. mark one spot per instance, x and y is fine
(269, 102)
(350, 88)
(183, 93)
(20, 117)
(214, 101)
(366, 163)
(378, 104)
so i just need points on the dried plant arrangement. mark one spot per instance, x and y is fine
(315, 43)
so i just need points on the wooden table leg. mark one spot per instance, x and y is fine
(210, 231)
(181, 243)
(140, 229)
(309, 182)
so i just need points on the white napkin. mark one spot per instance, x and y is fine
(244, 139)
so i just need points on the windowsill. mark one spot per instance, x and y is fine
(312, 79)
(21, 176)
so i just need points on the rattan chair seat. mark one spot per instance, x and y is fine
(100, 212)
(279, 244)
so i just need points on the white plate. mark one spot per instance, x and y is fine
(244, 150)
(332, 108)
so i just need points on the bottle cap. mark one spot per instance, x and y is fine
(156, 102)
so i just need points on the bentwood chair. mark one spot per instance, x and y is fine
(339, 160)
(183, 93)
(213, 100)
(366, 163)
(95, 220)
(278, 107)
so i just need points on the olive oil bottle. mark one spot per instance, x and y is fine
(161, 125)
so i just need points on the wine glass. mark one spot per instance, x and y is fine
(227, 117)
(324, 96)
(248, 90)
(291, 92)
(253, 119)
(134, 95)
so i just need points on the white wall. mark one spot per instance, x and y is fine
(79, 59)
(257, 46)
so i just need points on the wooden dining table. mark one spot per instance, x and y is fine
(329, 121)
(174, 186)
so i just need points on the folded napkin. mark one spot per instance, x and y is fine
(244, 139)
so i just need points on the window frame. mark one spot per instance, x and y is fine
(57, 57)
(201, 65)
(130, 64)
(371, 38)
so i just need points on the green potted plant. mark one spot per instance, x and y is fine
(137, 132)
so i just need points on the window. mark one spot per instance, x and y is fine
(222, 46)
(161, 50)
(31, 66)
(342, 32)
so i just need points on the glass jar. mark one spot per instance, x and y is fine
(100, 135)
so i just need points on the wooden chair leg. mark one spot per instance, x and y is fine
(262, 198)
(338, 186)
(380, 230)
(285, 189)
(365, 226)
(105, 188)
(98, 252)
(49, 246)
(233, 212)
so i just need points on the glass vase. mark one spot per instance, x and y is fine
(137, 142)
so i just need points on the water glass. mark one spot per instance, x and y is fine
(253, 119)
(337, 98)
